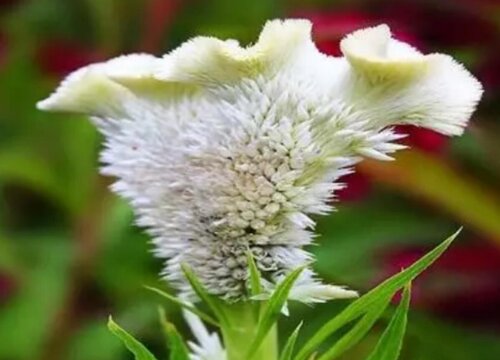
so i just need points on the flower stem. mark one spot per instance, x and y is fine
(239, 335)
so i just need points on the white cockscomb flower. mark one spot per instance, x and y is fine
(222, 149)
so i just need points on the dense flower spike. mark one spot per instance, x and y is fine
(223, 149)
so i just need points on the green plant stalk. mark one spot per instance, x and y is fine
(238, 336)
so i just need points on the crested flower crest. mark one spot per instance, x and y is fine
(223, 149)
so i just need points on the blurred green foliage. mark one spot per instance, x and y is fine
(70, 254)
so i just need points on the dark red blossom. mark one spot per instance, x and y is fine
(59, 57)
(3, 48)
(159, 16)
(330, 27)
(443, 23)
(7, 4)
(489, 70)
(423, 139)
(464, 283)
(7, 287)
(358, 186)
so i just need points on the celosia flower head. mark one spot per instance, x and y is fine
(223, 149)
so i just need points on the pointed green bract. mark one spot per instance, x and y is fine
(255, 286)
(364, 303)
(211, 301)
(287, 352)
(176, 345)
(391, 342)
(273, 309)
(184, 305)
(353, 336)
(140, 351)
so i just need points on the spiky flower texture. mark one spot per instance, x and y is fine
(223, 149)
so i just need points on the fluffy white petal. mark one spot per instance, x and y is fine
(379, 58)
(208, 345)
(115, 88)
(396, 84)
(211, 61)
(88, 91)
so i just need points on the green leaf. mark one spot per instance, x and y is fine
(287, 352)
(43, 275)
(425, 176)
(386, 222)
(353, 336)
(273, 309)
(184, 305)
(22, 166)
(211, 301)
(176, 345)
(92, 341)
(140, 351)
(364, 303)
(462, 343)
(389, 345)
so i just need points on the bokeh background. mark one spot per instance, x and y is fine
(70, 254)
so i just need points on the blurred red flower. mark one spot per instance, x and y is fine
(6, 4)
(489, 70)
(330, 27)
(444, 23)
(159, 15)
(7, 287)
(463, 284)
(423, 139)
(357, 187)
(3, 48)
(59, 57)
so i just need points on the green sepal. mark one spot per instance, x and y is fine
(357, 332)
(273, 309)
(134, 346)
(390, 343)
(176, 345)
(287, 352)
(255, 285)
(212, 302)
(184, 305)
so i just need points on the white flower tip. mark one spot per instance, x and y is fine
(102, 89)
(378, 57)
(338, 292)
(45, 105)
(208, 346)
(69, 93)
(370, 43)
(207, 60)
(85, 91)
(374, 154)
(291, 30)
(319, 293)
(130, 67)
